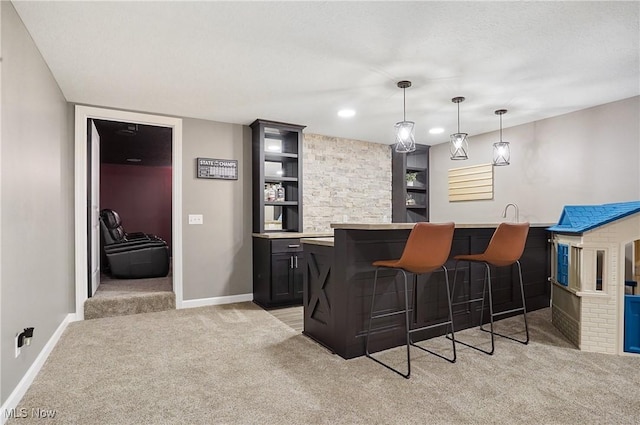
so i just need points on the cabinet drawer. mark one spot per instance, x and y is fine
(286, 245)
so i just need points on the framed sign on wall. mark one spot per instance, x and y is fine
(211, 168)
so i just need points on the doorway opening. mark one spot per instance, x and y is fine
(137, 175)
(131, 187)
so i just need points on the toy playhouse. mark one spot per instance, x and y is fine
(595, 270)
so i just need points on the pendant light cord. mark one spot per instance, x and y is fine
(500, 128)
(458, 117)
(404, 104)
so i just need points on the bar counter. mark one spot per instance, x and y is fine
(338, 282)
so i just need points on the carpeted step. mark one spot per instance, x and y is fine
(124, 305)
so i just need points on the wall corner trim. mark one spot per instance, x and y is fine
(26, 381)
(230, 299)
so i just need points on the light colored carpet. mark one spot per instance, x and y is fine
(237, 364)
(120, 297)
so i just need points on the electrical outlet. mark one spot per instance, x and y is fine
(195, 219)
(15, 344)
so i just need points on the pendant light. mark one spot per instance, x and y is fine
(459, 144)
(405, 140)
(501, 151)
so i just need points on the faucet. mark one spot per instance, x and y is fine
(515, 207)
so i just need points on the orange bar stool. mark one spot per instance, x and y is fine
(426, 250)
(505, 248)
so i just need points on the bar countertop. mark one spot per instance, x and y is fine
(286, 235)
(402, 226)
(369, 226)
(329, 241)
(318, 241)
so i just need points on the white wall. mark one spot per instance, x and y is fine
(586, 157)
(217, 254)
(36, 200)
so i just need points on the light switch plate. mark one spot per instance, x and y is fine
(195, 219)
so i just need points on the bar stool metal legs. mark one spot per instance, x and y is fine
(501, 313)
(492, 314)
(408, 329)
(378, 316)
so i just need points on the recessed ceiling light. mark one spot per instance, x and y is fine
(346, 113)
(436, 130)
(134, 160)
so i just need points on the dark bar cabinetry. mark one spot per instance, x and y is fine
(338, 284)
(278, 266)
(278, 259)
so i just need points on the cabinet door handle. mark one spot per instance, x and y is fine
(294, 246)
(296, 261)
(291, 262)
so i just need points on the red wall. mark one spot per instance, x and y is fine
(141, 195)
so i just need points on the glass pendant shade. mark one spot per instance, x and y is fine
(459, 146)
(405, 138)
(501, 150)
(501, 153)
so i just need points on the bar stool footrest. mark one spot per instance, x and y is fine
(393, 313)
(414, 344)
(423, 328)
(500, 313)
(466, 301)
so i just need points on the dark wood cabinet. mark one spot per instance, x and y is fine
(281, 290)
(297, 277)
(277, 208)
(277, 176)
(410, 197)
(278, 271)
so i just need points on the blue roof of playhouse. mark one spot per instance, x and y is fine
(582, 218)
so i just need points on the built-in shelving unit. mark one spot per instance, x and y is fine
(410, 199)
(277, 208)
(277, 163)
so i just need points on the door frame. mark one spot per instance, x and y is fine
(93, 216)
(82, 114)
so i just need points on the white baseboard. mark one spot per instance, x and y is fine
(27, 379)
(202, 302)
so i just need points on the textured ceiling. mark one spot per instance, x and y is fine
(301, 62)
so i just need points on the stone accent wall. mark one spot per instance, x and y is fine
(568, 326)
(345, 180)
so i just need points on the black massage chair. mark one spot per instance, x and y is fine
(131, 255)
